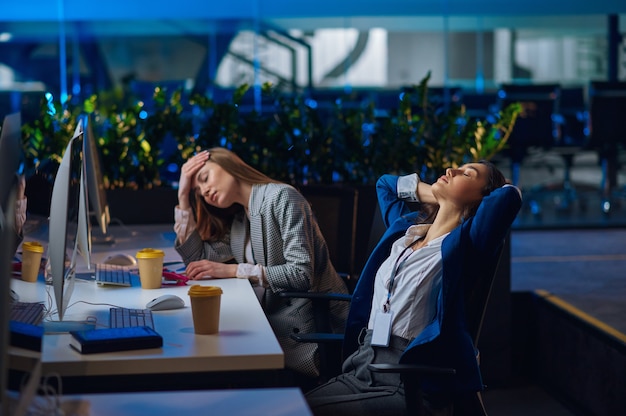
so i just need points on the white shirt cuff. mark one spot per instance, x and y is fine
(20, 214)
(184, 224)
(252, 272)
(407, 187)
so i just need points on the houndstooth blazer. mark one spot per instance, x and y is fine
(287, 242)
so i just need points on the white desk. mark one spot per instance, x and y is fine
(245, 341)
(238, 402)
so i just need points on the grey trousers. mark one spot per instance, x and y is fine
(357, 391)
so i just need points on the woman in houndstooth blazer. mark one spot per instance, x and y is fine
(246, 225)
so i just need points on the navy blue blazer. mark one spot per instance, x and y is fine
(468, 252)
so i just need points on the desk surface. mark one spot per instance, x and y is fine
(236, 402)
(245, 340)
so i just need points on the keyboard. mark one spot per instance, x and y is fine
(110, 274)
(27, 312)
(127, 318)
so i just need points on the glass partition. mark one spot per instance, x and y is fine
(78, 58)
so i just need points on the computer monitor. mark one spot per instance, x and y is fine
(95, 184)
(69, 222)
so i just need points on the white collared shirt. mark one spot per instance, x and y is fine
(416, 283)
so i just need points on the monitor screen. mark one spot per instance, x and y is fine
(95, 184)
(69, 225)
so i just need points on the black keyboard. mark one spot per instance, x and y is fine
(110, 274)
(127, 318)
(27, 312)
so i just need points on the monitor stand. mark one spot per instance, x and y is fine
(60, 327)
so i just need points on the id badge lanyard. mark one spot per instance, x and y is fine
(382, 321)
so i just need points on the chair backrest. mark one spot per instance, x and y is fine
(574, 117)
(607, 101)
(477, 296)
(335, 208)
(535, 126)
(480, 105)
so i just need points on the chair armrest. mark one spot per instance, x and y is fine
(318, 337)
(317, 295)
(410, 369)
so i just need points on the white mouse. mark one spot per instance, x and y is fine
(121, 259)
(165, 302)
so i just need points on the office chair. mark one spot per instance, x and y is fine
(570, 139)
(335, 208)
(480, 106)
(534, 128)
(607, 129)
(328, 343)
(476, 300)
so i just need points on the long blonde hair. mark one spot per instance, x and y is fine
(213, 223)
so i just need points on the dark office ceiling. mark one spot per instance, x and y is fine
(271, 9)
(37, 19)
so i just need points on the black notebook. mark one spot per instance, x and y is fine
(115, 339)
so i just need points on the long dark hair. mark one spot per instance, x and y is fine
(495, 179)
(214, 223)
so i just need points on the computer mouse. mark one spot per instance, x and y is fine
(14, 296)
(121, 259)
(165, 302)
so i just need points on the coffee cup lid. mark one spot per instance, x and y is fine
(32, 246)
(149, 253)
(198, 290)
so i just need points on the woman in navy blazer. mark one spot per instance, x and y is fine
(249, 226)
(473, 211)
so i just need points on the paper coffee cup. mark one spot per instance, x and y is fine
(205, 308)
(150, 262)
(32, 252)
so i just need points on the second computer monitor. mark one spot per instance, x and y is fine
(94, 182)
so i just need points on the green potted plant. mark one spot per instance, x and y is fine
(292, 140)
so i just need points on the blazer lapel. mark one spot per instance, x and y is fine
(256, 224)
(238, 237)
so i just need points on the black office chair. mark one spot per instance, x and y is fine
(535, 127)
(480, 106)
(607, 129)
(335, 208)
(570, 140)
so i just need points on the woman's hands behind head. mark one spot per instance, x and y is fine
(187, 177)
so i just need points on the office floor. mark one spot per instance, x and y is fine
(578, 254)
